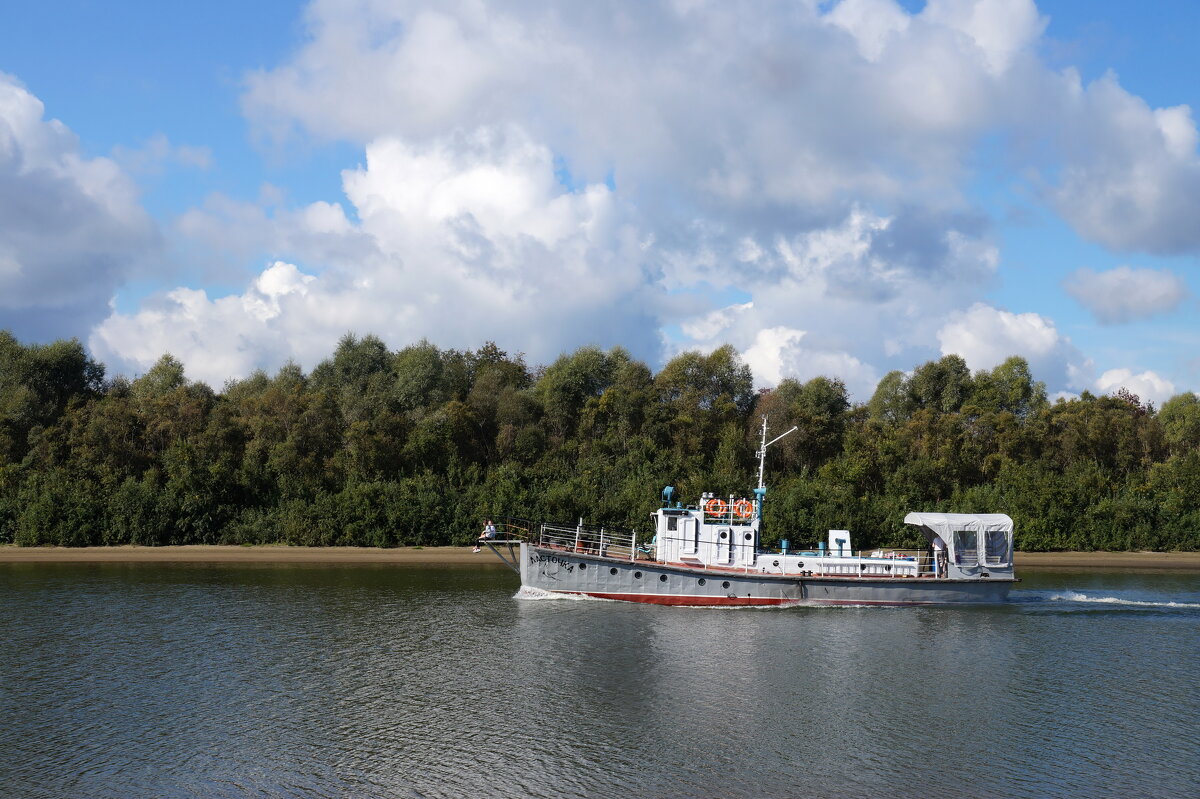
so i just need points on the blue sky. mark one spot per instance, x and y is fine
(837, 188)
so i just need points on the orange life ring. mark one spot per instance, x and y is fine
(715, 507)
(743, 509)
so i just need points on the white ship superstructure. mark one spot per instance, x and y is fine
(709, 553)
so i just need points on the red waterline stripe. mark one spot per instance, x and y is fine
(666, 599)
(717, 601)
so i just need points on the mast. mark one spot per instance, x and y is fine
(762, 452)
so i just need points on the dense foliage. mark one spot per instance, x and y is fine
(386, 448)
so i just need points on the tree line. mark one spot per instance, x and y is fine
(417, 446)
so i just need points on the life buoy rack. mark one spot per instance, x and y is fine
(715, 507)
(743, 509)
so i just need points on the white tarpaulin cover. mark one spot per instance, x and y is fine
(945, 523)
(974, 540)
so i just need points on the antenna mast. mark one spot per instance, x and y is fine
(762, 450)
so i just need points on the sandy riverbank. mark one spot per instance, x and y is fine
(1180, 561)
(1189, 561)
(240, 554)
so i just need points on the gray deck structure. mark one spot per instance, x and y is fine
(700, 558)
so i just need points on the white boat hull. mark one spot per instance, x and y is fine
(565, 572)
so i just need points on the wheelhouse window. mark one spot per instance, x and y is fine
(995, 550)
(966, 547)
(672, 522)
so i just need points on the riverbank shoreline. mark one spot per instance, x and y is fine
(272, 553)
(1182, 561)
(1113, 561)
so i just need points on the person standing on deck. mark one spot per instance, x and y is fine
(939, 556)
(489, 531)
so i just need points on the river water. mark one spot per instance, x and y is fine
(152, 680)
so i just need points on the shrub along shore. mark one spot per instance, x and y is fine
(382, 448)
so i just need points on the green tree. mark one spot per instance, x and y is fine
(1180, 421)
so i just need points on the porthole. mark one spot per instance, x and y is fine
(702, 581)
(582, 566)
(773, 563)
(662, 578)
(612, 571)
(723, 534)
(748, 536)
(800, 565)
(725, 584)
(637, 575)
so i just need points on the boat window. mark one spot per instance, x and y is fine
(582, 566)
(725, 584)
(966, 547)
(701, 581)
(612, 570)
(672, 522)
(637, 575)
(662, 578)
(996, 547)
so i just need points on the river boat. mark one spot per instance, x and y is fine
(708, 554)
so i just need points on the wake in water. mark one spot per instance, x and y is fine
(526, 592)
(537, 595)
(1018, 597)
(1078, 597)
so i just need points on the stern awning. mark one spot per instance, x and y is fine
(946, 523)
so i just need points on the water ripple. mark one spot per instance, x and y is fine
(195, 681)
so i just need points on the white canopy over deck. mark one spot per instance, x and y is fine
(973, 542)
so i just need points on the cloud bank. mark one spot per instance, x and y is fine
(71, 228)
(793, 178)
(459, 243)
(1126, 294)
(985, 336)
(1149, 386)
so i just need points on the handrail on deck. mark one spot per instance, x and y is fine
(603, 541)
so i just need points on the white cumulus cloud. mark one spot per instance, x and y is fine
(704, 103)
(844, 298)
(778, 353)
(216, 338)
(985, 336)
(1130, 174)
(1125, 294)
(71, 227)
(728, 107)
(792, 180)
(459, 241)
(1149, 387)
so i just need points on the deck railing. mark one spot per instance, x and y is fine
(895, 563)
(626, 545)
(589, 540)
(513, 528)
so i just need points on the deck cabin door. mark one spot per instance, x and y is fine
(689, 531)
(746, 545)
(724, 545)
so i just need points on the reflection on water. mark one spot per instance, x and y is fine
(155, 680)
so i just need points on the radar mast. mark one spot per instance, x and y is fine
(762, 451)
